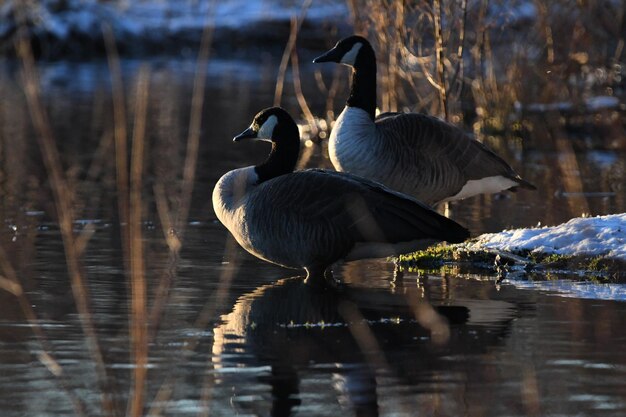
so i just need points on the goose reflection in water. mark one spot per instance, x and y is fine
(284, 333)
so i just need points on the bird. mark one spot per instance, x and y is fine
(312, 218)
(417, 154)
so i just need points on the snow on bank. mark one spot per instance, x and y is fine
(583, 236)
(592, 104)
(575, 289)
(66, 26)
(592, 236)
(180, 15)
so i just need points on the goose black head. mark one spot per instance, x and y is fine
(357, 53)
(274, 125)
(353, 51)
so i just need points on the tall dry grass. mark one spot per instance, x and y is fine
(128, 144)
(483, 62)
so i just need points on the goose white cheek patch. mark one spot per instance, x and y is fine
(349, 58)
(267, 129)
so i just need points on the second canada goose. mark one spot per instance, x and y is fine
(311, 219)
(417, 154)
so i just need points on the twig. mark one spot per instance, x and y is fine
(284, 61)
(295, 68)
(458, 73)
(437, 14)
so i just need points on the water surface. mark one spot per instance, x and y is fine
(241, 336)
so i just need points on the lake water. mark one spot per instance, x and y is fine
(238, 336)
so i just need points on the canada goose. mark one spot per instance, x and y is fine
(313, 218)
(416, 154)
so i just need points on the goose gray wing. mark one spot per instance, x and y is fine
(385, 115)
(453, 158)
(359, 210)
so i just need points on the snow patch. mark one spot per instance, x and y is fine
(156, 19)
(602, 102)
(603, 159)
(591, 236)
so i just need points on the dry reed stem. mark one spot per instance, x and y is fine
(121, 138)
(120, 135)
(439, 57)
(363, 335)
(431, 79)
(492, 81)
(297, 85)
(138, 319)
(570, 171)
(82, 240)
(289, 47)
(398, 24)
(207, 392)
(98, 165)
(11, 283)
(429, 319)
(165, 217)
(459, 71)
(195, 124)
(547, 31)
(329, 92)
(208, 312)
(63, 198)
(174, 235)
(201, 322)
(167, 276)
(530, 393)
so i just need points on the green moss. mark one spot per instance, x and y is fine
(434, 256)
(598, 263)
(555, 261)
(458, 259)
(461, 254)
(590, 265)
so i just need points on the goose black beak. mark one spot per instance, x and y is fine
(249, 133)
(331, 56)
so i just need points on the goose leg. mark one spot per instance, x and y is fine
(397, 280)
(285, 384)
(398, 274)
(328, 275)
(320, 277)
(315, 276)
(447, 210)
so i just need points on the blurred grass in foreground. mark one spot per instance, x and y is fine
(444, 57)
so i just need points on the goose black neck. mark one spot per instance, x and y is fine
(283, 156)
(363, 89)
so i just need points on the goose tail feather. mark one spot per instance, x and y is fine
(522, 183)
